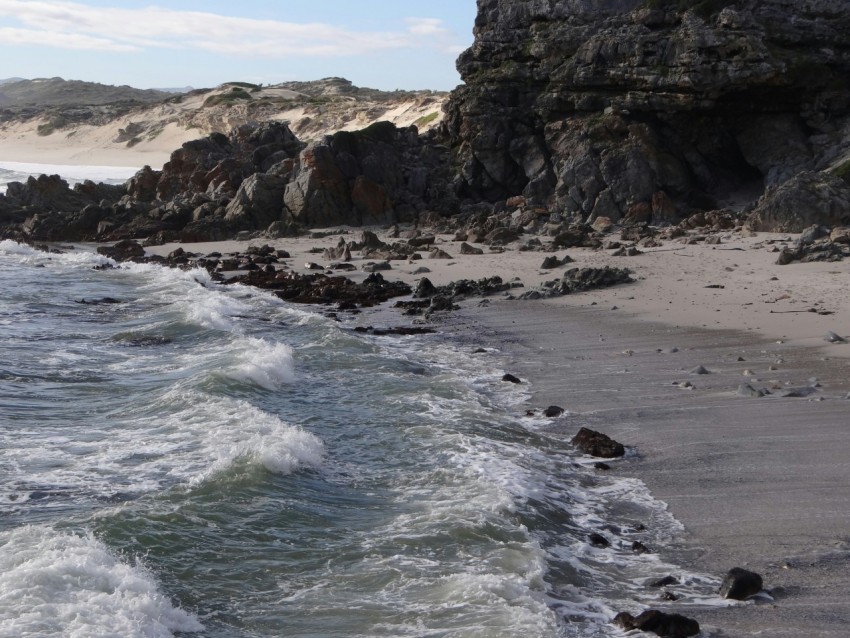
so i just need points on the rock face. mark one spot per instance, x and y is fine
(258, 178)
(618, 108)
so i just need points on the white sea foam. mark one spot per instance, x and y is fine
(20, 171)
(226, 431)
(31, 256)
(60, 584)
(268, 365)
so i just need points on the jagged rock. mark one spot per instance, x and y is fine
(319, 288)
(340, 252)
(740, 584)
(466, 249)
(124, 250)
(579, 280)
(554, 262)
(622, 107)
(659, 623)
(832, 337)
(597, 444)
(425, 289)
(258, 202)
(807, 199)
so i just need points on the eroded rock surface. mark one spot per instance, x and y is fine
(624, 108)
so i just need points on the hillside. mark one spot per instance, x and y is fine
(131, 134)
(58, 92)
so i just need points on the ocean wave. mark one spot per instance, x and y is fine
(61, 584)
(267, 365)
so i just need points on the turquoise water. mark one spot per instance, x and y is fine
(180, 458)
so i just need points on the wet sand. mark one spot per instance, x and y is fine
(761, 483)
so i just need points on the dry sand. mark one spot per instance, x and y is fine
(762, 483)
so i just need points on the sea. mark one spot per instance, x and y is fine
(180, 457)
(20, 171)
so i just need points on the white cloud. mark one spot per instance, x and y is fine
(74, 25)
(28, 37)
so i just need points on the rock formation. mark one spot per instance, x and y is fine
(595, 113)
(617, 108)
(258, 178)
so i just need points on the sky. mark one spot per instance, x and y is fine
(383, 44)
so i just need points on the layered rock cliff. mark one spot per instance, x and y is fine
(649, 108)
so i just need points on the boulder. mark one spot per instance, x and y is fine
(597, 444)
(808, 199)
(258, 202)
(740, 584)
(659, 623)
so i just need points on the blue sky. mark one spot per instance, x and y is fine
(385, 44)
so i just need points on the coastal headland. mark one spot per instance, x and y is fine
(644, 206)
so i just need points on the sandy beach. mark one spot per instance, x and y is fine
(761, 483)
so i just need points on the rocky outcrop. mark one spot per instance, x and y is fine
(260, 178)
(806, 199)
(648, 107)
(375, 176)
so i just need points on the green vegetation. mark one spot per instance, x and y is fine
(236, 94)
(426, 119)
(51, 126)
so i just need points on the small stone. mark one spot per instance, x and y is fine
(746, 390)
(599, 465)
(700, 370)
(832, 337)
(509, 378)
(639, 548)
(553, 411)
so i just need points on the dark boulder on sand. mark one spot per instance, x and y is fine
(659, 623)
(597, 444)
(740, 584)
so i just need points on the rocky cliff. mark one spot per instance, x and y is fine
(648, 109)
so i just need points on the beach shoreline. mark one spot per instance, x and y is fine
(757, 482)
(753, 486)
